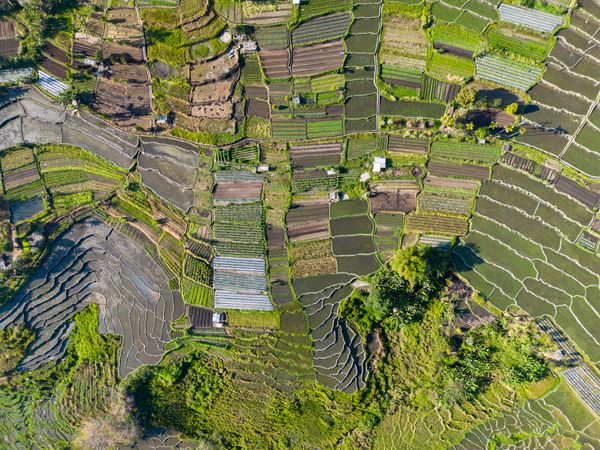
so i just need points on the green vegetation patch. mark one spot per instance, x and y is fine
(254, 319)
(196, 294)
(450, 68)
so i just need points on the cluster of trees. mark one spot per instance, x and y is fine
(502, 350)
(400, 292)
(173, 394)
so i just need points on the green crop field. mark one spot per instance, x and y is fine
(334, 224)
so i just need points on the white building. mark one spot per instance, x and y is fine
(379, 164)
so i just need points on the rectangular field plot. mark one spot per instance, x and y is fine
(445, 204)
(333, 126)
(401, 145)
(353, 245)
(230, 300)
(322, 28)
(537, 20)
(300, 213)
(430, 223)
(313, 155)
(292, 129)
(317, 58)
(308, 231)
(518, 43)
(348, 208)
(448, 67)
(505, 71)
(311, 258)
(410, 109)
(465, 151)
(310, 8)
(394, 197)
(361, 107)
(351, 225)
(435, 90)
(360, 265)
(313, 180)
(446, 169)
(196, 294)
(359, 146)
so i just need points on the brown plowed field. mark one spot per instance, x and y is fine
(308, 231)
(55, 52)
(218, 91)
(122, 16)
(306, 213)
(299, 151)
(131, 53)
(583, 195)
(407, 145)
(314, 59)
(215, 110)
(129, 73)
(258, 108)
(127, 104)
(7, 30)
(459, 170)
(275, 63)
(84, 49)
(275, 237)
(54, 68)
(259, 92)
(226, 192)
(451, 183)
(9, 47)
(396, 199)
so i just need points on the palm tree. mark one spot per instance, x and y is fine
(86, 26)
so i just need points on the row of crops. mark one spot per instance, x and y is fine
(238, 232)
(522, 249)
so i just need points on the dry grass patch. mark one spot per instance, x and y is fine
(312, 258)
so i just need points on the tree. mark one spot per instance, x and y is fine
(466, 97)
(380, 301)
(420, 265)
(411, 264)
(448, 121)
(512, 109)
(482, 132)
(86, 26)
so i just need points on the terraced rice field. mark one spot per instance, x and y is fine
(522, 242)
(351, 230)
(33, 119)
(91, 263)
(169, 170)
(339, 354)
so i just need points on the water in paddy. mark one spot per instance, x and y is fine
(26, 209)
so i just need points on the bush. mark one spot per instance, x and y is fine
(172, 395)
